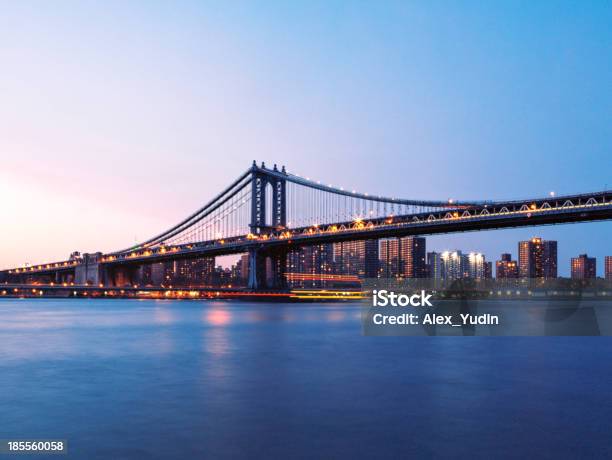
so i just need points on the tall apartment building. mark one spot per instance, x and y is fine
(583, 267)
(506, 267)
(313, 261)
(435, 269)
(453, 265)
(403, 257)
(412, 257)
(537, 258)
(475, 266)
(488, 270)
(389, 258)
(358, 258)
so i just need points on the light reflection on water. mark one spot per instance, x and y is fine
(190, 379)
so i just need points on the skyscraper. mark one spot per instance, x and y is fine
(243, 264)
(506, 267)
(608, 268)
(403, 257)
(474, 266)
(412, 257)
(389, 258)
(537, 258)
(583, 267)
(313, 261)
(434, 265)
(488, 270)
(358, 258)
(453, 265)
(193, 272)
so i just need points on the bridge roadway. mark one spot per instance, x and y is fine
(494, 215)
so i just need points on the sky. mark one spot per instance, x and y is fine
(118, 119)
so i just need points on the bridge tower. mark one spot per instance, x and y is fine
(260, 180)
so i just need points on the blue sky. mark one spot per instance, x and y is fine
(118, 119)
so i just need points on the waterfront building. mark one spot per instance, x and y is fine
(358, 258)
(412, 263)
(537, 258)
(389, 258)
(583, 267)
(434, 265)
(474, 266)
(312, 263)
(506, 267)
(403, 257)
(608, 268)
(488, 270)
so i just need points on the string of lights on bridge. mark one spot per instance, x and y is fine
(357, 224)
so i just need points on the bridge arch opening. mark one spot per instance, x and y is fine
(269, 208)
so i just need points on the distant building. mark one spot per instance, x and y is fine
(537, 258)
(434, 265)
(162, 273)
(312, 263)
(144, 275)
(412, 257)
(359, 258)
(608, 268)
(193, 272)
(403, 257)
(243, 267)
(453, 265)
(583, 267)
(389, 255)
(506, 267)
(474, 266)
(488, 270)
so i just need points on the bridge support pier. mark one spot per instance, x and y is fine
(257, 269)
(279, 269)
(258, 274)
(89, 272)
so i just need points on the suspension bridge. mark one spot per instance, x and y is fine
(268, 212)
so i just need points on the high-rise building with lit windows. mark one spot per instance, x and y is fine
(537, 258)
(434, 265)
(474, 266)
(243, 267)
(389, 258)
(412, 263)
(193, 272)
(359, 258)
(403, 257)
(583, 267)
(506, 267)
(314, 261)
(488, 270)
(608, 268)
(453, 265)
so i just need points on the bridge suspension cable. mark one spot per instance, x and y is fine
(286, 201)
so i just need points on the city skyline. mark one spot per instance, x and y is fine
(115, 117)
(390, 259)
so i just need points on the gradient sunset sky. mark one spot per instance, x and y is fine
(117, 119)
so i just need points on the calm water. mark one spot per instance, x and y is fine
(170, 379)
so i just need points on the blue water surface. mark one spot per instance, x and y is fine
(132, 379)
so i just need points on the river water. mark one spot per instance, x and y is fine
(131, 379)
